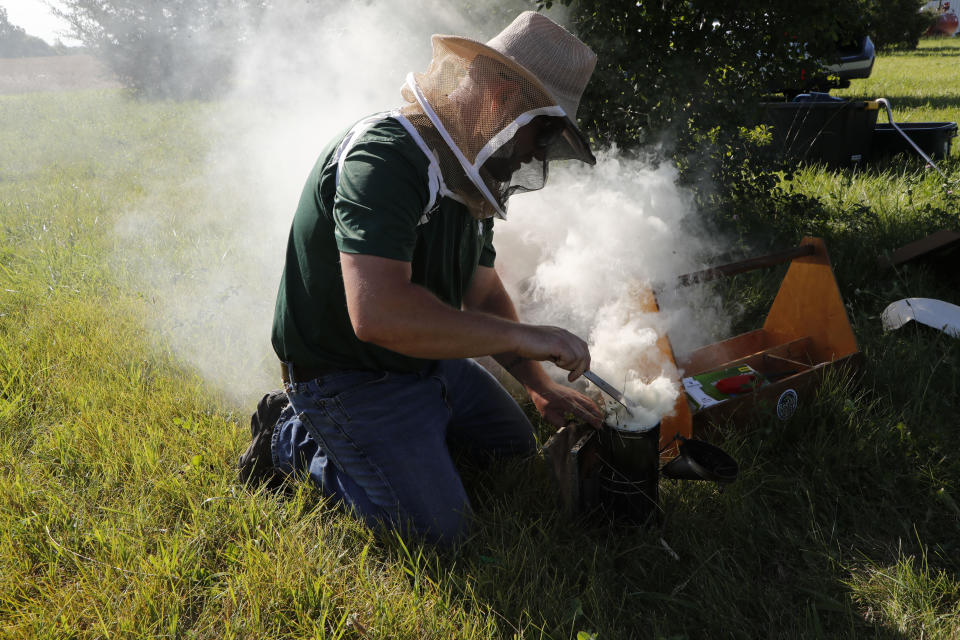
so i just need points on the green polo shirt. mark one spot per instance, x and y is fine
(374, 207)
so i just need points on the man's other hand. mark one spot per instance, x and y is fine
(556, 403)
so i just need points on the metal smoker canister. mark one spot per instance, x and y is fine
(629, 473)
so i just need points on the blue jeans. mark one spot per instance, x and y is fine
(381, 441)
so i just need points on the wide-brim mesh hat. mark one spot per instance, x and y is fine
(546, 55)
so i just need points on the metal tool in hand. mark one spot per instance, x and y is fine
(609, 389)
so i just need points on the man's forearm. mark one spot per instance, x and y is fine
(388, 310)
(529, 373)
(422, 326)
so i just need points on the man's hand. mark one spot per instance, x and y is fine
(557, 403)
(532, 342)
(557, 345)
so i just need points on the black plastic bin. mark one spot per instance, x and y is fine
(836, 133)
(934, 138)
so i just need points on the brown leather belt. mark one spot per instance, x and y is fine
(302, 373)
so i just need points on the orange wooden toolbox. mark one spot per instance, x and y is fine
(806, 332)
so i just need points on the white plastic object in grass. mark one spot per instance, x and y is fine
(933, 313)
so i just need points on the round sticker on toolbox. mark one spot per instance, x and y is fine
(787, 404)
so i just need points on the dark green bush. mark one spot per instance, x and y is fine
(897, 24)
(693, 74)
(691, 67)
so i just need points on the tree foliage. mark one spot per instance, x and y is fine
(17, 43)
(695, 64)
(166, 48)
(703, 64)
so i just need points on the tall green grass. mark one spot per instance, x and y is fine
(120, 515)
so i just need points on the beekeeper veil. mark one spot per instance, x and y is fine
(494, 115)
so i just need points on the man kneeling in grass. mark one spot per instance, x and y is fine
(389, 286)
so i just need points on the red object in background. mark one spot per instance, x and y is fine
(947, 22)
(744, 383)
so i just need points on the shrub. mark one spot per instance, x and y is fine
(897, 23)
(166, 48)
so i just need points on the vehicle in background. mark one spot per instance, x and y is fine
(851, 59)
(855, 61)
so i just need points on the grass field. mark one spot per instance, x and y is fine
(120, 515)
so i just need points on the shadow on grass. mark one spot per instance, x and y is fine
(828, 506)
(843, 524)
(913, 102)
(926, 52)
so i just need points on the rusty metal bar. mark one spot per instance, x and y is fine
(749, 264)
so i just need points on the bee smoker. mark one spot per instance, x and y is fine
(615, 471)
(627, 472)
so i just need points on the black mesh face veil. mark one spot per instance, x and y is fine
(523, 162)
(498, 126)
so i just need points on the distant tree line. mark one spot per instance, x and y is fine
(17, 43)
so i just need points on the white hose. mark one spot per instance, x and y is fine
(886, 104)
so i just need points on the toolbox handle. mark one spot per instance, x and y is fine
(750, 264)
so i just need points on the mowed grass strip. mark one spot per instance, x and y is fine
(120, 514)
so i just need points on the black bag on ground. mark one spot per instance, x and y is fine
(256, 464)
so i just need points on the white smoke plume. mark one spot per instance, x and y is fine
(574, 254)
(589, 249)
